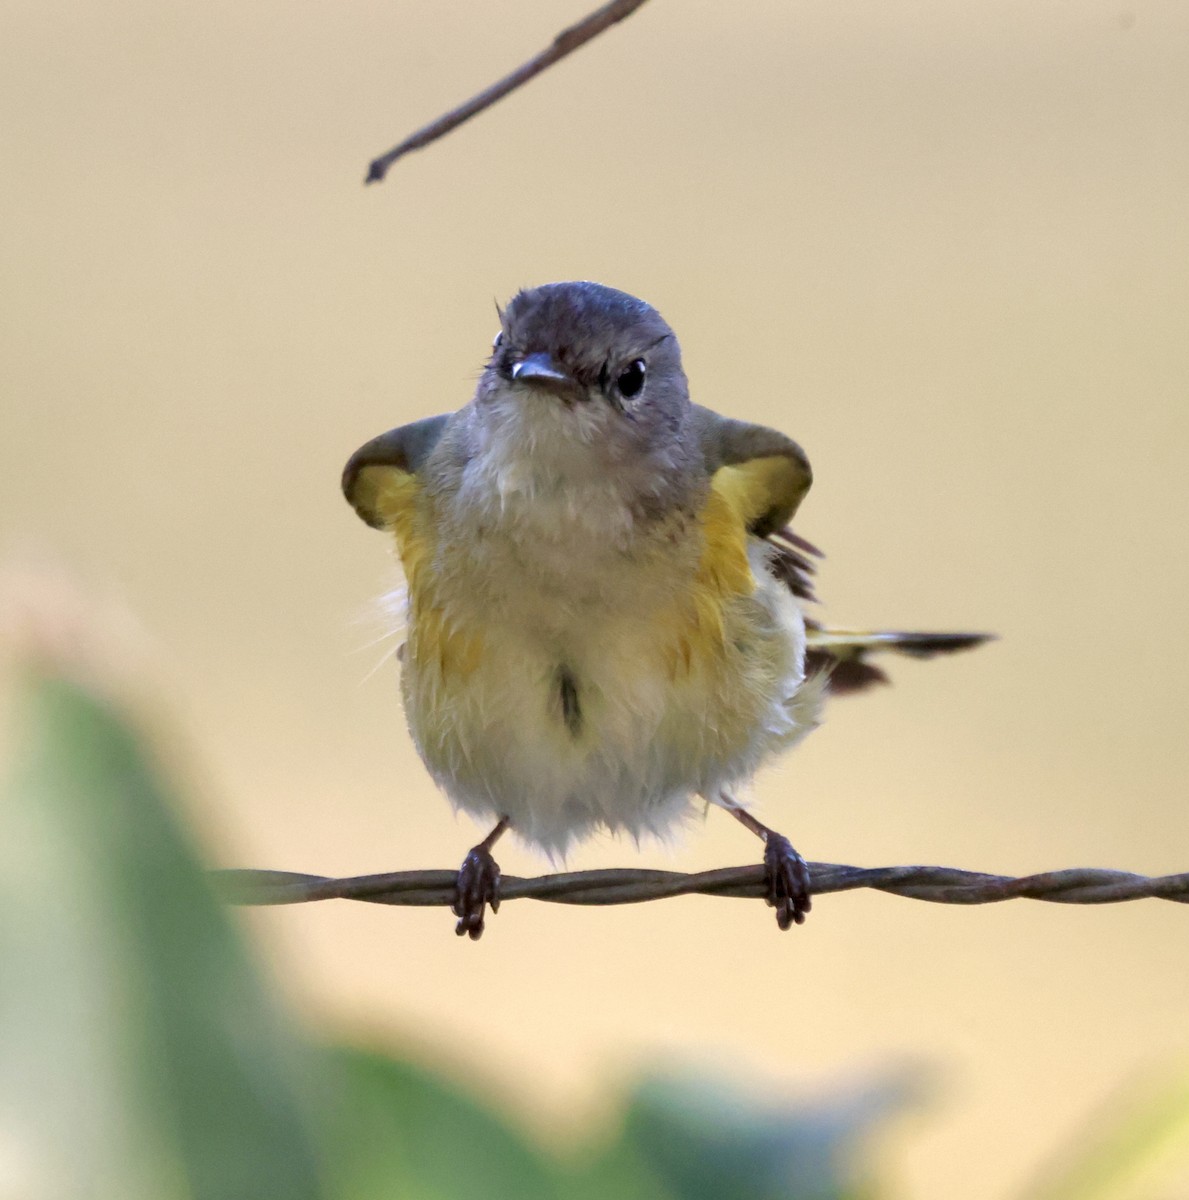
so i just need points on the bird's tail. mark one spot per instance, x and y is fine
(843, 653)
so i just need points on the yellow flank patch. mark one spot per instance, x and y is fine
(724, 564)
(723, 572)
(436, 643)
(434, 640)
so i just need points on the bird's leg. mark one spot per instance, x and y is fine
(478, 885)
(786, 872)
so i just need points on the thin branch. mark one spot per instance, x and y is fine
(564, 43)
(939, 885)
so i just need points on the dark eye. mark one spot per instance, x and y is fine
(630, 380)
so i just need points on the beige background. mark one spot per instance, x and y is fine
(942, 244)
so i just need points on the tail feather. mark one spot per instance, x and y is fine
(842, 653)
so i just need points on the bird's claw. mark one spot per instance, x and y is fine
(478, 885)
(787, 876)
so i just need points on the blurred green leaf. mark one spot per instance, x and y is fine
(616, 1170)
(1126, 1142)
(394, 1121)
(140, 1056)
(706, 1142)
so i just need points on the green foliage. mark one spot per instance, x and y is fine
(710, 1143)
(397, 1124)
(1144, 1128)
(140, 1053)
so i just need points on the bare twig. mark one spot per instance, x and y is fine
(940, 885)
(564, 43)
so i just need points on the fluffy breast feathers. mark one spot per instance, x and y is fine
(739, 495)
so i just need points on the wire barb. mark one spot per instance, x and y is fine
(938, 885)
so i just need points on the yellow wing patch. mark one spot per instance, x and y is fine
(388, 498)
(762, 488)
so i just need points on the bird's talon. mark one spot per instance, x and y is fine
(478, 885)
(787, 876)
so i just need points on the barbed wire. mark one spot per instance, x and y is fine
(937, 885)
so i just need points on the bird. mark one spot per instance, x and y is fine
(608, 621)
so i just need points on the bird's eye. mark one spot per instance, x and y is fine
(498, 340)
(630, 380)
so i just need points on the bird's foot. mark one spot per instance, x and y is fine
(478, 886)
(787, 875)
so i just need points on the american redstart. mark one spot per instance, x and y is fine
(605, 602)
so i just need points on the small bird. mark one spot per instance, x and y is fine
(605, 603)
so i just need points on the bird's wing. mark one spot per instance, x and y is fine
(764, 476)
(763, 473)
(381, 475)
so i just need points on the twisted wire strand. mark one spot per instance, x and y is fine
(938, 885)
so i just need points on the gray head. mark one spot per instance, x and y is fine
(583, 399)
(585, 363)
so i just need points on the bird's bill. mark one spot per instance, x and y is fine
(541, 369)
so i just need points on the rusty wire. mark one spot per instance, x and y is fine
(938, 885)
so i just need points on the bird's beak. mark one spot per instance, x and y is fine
(541, 369)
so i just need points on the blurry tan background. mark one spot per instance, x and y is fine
(942, 244)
